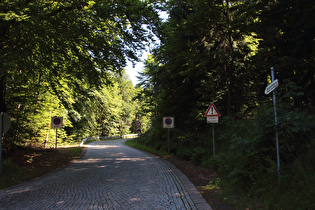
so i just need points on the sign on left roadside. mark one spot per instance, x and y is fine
(56, 122)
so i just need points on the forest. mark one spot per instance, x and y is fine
(67, 59)
(222, 52)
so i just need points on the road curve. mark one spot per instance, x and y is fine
(111, 175)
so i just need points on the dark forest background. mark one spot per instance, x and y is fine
(67, 58)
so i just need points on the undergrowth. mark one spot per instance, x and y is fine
(137, 144)
(27, 163)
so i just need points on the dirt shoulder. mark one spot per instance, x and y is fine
(201, 178)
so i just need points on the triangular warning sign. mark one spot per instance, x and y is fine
(212, 111)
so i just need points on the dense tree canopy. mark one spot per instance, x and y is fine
(80, 40)
(64, 58)
(222, 52)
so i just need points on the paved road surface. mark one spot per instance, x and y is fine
(111, 175)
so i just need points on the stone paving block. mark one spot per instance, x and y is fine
(111, 175)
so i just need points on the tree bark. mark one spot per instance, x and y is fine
(3, 107)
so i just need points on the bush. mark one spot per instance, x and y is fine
(250, 160)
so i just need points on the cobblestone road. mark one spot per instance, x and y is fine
(111, 175)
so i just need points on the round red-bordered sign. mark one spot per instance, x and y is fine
(168, 121)
(56, 122)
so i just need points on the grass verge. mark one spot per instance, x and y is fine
(205, 179)
(134, 143)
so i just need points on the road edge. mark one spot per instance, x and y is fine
(194, 194)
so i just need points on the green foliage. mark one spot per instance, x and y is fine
(252, 154)
(302, 171)
(222, 52)
(136, 143)
(66, 59)
(26, 163)
(249, 165)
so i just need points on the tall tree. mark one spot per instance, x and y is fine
(49, 41)
(222, 51)
(65, 48)
(287, 43)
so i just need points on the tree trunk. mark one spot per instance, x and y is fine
(3, 107)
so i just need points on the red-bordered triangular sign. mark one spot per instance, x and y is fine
(212, 111)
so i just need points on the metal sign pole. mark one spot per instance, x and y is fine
(168, 122)
(212, 115)
(213, 141)
(168, 141)
(56, 140)
(276, 123)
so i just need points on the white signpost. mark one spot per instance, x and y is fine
(168, 122)
(56, 122)
(212, 115)
(5, 124)
(212, 119)
(270, 88)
